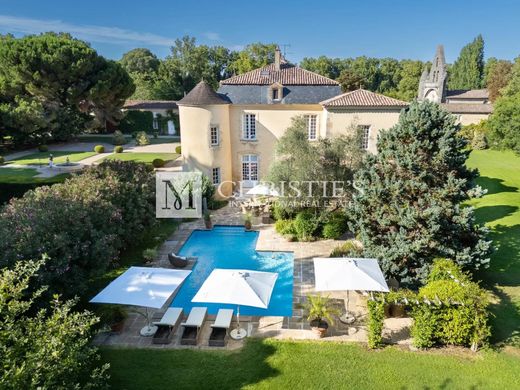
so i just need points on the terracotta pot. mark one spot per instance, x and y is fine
(208, 223)
(248, 225)
(118, 326)
(319, 327)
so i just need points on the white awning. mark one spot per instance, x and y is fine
(346, 274)
(142, 286)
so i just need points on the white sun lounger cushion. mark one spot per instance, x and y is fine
(223, 319)
(170, 317)
(196, 317)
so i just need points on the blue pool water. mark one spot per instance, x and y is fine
(233, 248)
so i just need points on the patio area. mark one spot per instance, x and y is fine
(295, 327)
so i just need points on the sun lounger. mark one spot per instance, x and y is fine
(167, 325)
(177, 261)
(192, 327)
(219, 329)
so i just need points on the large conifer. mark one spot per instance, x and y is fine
(468, 70)
(408, 208)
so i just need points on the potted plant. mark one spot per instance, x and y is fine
(207, 220)
(319, 312)
(247, 221)
(113, 316)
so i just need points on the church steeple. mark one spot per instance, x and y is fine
(433, 84)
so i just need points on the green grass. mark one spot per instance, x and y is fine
(142, 157)
(42, 158)
(272, 364)
(27, 176)
(499, 209)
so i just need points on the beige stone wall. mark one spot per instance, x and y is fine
(197, 151)
(468, 119)
(271, 123)
(343, 121)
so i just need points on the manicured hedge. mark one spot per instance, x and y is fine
(99, 149)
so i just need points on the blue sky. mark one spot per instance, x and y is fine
(391, 28)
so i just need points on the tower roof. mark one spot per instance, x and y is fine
(202, 95)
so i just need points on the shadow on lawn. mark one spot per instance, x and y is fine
(502, 277)
(494, 185)
(189, 369)
(485, 214)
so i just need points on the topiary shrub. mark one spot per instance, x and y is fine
(376, 317)
(335, 226)
(118, 138)
(305, 225)
(479, 141)
(178, 149)
(118, 149)
(158, 162)
(349, 249)
(142, 139)
(285, 227)
(452, 309)
(43, 148)
(99, 149)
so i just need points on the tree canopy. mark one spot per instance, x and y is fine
(467, 72)
(53, 86)
(408, 209)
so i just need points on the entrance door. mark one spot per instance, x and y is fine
(249, 170)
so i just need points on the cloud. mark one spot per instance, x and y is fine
(14, 24)
(212, 36)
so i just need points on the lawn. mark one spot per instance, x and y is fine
(273, 364)
(142, 157)
(42, 158)
(499, 209)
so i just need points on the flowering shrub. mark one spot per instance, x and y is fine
(80, 224)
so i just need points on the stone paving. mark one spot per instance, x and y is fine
(295, 327)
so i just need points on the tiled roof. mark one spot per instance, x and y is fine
(363, 98)
(150, 105)
(201, 95)
(288, 74)
(468, 94)
(468, 108)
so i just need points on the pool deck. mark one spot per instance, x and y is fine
(295, 327)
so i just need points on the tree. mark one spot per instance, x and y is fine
(498, 77)
(350, 81)
(409, 80)
(468, 70)
(253, 56)
(408, 209)
(60, 83)
(49, 349)
(305, 163)
(328, 67)
(140, 61)
(504, 123)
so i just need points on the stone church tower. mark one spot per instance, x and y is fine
(432, 86)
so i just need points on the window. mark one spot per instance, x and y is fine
(311, 126)
(250, 167)
(365, 134)
(275, 94)
(215, 176)
(214, 136)
(155, 123)
(249, 127)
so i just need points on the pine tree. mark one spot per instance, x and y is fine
(408, 208)
(468, 70)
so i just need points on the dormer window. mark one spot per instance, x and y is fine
(275, 92)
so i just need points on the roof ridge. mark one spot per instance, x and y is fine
(363, 97)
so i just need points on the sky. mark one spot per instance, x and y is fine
(375, 28)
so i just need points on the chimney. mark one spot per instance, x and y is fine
(277, 58)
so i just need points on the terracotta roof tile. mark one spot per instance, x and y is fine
(468, 108)
(202, 94)
(363, 98)
(288, 74)
(468, 94)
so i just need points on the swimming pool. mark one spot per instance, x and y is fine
(234, 248)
